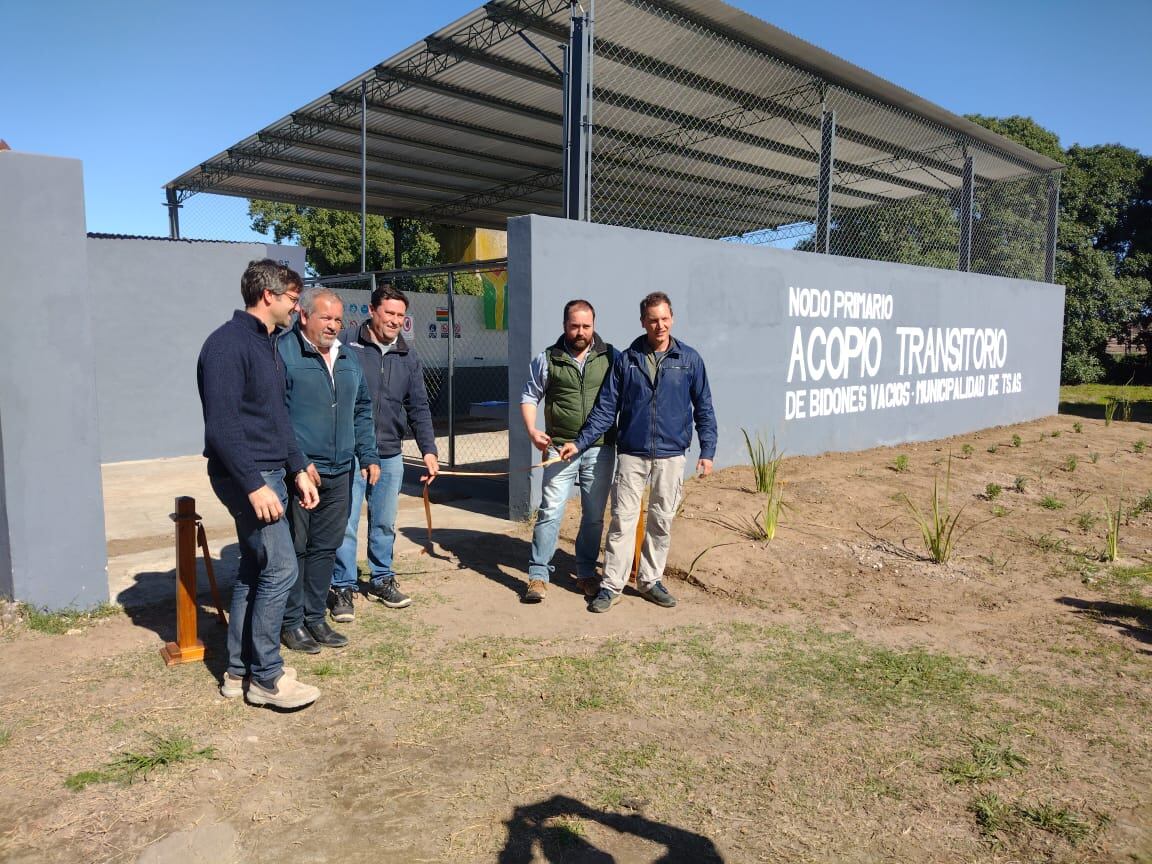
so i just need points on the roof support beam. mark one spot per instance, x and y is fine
(824, 193)
(964, 259)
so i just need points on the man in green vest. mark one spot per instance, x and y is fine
(567, 378)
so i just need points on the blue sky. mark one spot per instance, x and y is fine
(142, 90)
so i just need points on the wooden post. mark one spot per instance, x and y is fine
(641, 524)
(187, 648)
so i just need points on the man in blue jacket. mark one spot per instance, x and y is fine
(659, 388)
(249, 443)
(399, 401)
(331, 415)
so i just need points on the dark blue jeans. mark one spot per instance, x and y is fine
(317, 534)
(267, 571)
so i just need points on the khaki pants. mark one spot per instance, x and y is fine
(632, 473)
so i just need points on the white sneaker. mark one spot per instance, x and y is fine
(233, 687)
(288, 693)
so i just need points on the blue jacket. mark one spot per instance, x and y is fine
(655, 419)
(241, 382)
(399, 398)
(331, 415)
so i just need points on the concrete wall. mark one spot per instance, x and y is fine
(52, 550)
(154, 303)
(790, 352)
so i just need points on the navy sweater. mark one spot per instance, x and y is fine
(246, 425)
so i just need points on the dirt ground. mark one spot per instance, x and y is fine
(830, 695)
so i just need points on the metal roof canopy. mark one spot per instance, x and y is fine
(466, 127)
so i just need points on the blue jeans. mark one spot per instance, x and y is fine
(267, 572)
(593, 470)
(383, 502)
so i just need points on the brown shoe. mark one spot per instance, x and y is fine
(590, 585)
(288, 693)
(233, 687)
(537, 589)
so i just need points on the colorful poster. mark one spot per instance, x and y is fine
(495, 286)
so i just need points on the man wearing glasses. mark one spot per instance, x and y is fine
(250, 446)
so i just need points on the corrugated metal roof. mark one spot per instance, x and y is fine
(465, 128)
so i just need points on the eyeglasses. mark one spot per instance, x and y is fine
(295, 298)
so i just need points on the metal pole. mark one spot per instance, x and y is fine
(565, 123)
(967, 190)
(824, 190)
(589, 57)
(451, 372)
(1053, 226)
(577, 118)
(363, 176)
(173, 206)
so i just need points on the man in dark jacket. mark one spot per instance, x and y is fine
(249, 443)
(567, 377)
(331, 415)
(659, 388)
(399, 400)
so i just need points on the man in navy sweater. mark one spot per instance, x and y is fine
(250, 446)
(331, 414)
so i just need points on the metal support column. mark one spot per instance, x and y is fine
(173, 206)
(967, 191)
(577, 116)
(824, 190)
(1053, 225)
(363, 176)
(451, 371)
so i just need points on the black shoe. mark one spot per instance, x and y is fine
(299, 639)
(326, 636)
(388, 594)
(341, 605)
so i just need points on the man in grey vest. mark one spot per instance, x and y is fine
(567, 378)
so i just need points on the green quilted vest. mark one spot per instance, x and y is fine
(570, 394)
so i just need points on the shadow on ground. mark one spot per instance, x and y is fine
(544, 826)
(497, 557)
(1129, 619)
(149, 603)
(1141, 411)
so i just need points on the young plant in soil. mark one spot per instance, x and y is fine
(938, 525)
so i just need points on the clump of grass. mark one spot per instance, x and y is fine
(1139, 446)
(131, 766)
(1020, 483)
(1017, 440)
(1056, 434)
(1112, 536)
(765, 462)
(1051, 502)
(1056, 819)
(59, 623)
(1093, 457)
(992, 491)
(5, 736)
(989, 759)
(567, 830)
(967, 450)
(1077, 427)
(900, 463)
(1087, 521)
(1110, 405)
(999, 512)
(938, 526)
(993, 815)
(1070, 464)
(992, 448)
(1144, 505)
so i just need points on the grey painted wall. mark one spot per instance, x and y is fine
(779, 330)
(52, 520)
(154, 303)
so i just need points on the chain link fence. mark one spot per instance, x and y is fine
(742, 161)
(457, 323)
